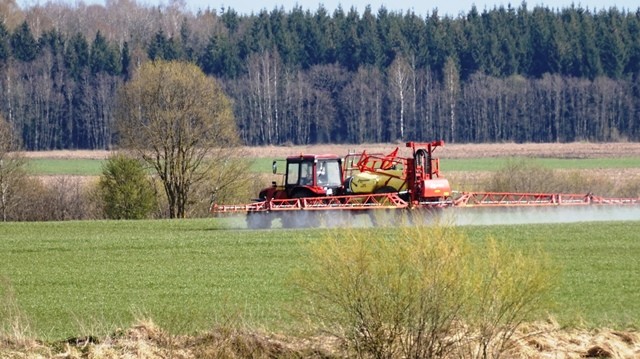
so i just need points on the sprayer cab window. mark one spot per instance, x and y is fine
(293, 173)
(306, 173)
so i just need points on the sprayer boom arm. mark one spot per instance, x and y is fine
(355, 202)
(393, 201)
(506, 199)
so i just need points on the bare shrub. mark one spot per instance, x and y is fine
(66, 199)
(422, 292)
(630, 188)
(525, 175)
(508, 288)
(57, 199)
(224, 185)
(33, 198)
(93, 201)
(581, 182)
(522, 175)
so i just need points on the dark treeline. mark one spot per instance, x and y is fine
(506, 74)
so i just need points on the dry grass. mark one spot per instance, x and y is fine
(547, 340)
(146, 340)
(556, 150)
(68, 154)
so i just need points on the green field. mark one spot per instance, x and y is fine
(263, 165)
(89, 167)
(80, 278)
(83, 167)
(496, 163)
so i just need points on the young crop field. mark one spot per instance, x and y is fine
(80, 278)
(71, 166)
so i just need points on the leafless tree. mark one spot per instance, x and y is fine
(180, 122)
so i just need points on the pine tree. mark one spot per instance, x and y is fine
(102, 57)
(610, 42)
(125, 61)
(349, 46)
(369, 41)
(77, 56)
(23, 44)
(5, 51)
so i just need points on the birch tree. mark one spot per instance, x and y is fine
(400, 82)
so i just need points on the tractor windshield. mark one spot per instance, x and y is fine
(329, 173)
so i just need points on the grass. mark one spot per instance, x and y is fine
(184, 274)
(496, 163)
(93, 167)
(187, 275)
(599, 275)
(84, 167)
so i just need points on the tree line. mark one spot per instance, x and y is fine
(504, 74)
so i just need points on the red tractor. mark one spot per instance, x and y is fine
(307, 176)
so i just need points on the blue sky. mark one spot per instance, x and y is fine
(421, 7)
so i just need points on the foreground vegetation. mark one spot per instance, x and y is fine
(80, 278)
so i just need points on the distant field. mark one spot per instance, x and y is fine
(53, 166)
(263, 165)
(80, 278)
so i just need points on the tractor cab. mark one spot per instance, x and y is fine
(313, 175)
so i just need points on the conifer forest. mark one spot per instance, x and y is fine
(506, 74)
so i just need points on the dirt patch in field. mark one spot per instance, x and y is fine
(540, 340)
(552, 150)
(68, 154)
